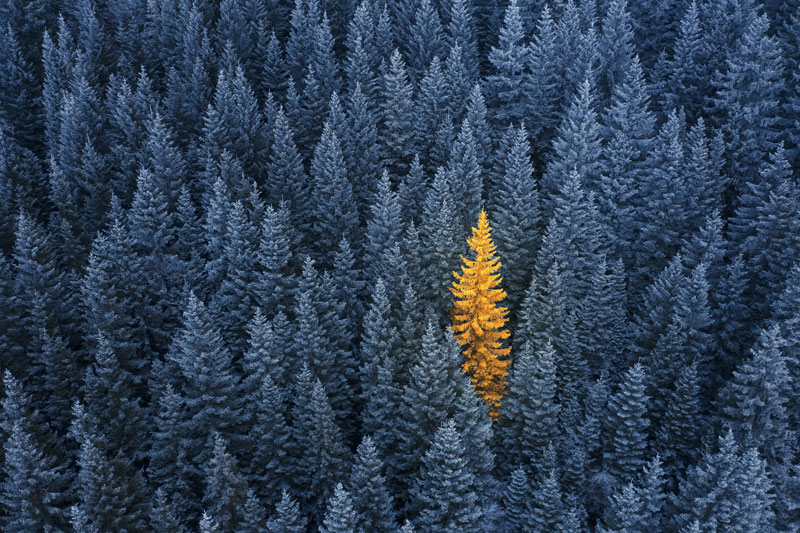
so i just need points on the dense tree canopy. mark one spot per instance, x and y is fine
(228, 238)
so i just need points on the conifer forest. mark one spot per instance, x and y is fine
(395, 266)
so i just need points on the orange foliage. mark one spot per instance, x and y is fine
(478, 322)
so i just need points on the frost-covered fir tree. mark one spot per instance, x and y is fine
(340, 516)
(443, 494)
(627, 426)
(372, 501)
(287, 517)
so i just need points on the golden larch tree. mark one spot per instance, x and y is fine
(478, 321)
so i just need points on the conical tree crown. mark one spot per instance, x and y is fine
(478, 320)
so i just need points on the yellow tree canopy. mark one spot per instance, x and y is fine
(478, 321)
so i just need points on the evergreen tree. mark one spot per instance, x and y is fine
(20, 106)
(255, 516)
(111, 491)
(226, 490)
(57, 62)
(272, 455)
(340, 516)
(382, 401)
(655, 27)
(111, 403)
(529, 421)
(208, 524)
(516, 214)
(349, 286)
(461, 34)
(383, 228)
(627, 426)
(109, 307)
(61, 380)
(380, 340)
(425, 39)
(276, 281)
(231, 304)
(432, 113)
(75, 151)
(164, 517)
(402, 18)
(80, 521)
(270, 64)
(322, 340)
(473, 417)
(638, 506)
(705, 182)
(518, 502)
(127, 131)
(287, 177)
(574, 239)
(577, 49)
(443, 494)
(361, 145)
(458, 82)
(335, 217)
(211, 392)
(576, 147)
(509, 61)
(361, 57)
(746, 104)
(464, 175)
(543, 313)
(372, 502)
(92, 41)
(164, 159)
(216, 205)
(152, 230)
(784, 313)
(477, 321)
(437, 389)
(604, 328)
(651, 491)
(441, 242)
(625, 512)
(616, 46)
(476, 114)
(166, 459)
(684, 71)
(37, 278)
(728, 489)
(667, 195)
(628, 128)
(677, 439)
(234, 124)
(323, 61)
(396, 134)
(754, 404)
(35, 490)
(384, 36)
(769, 252)
(237, 25)
(325, 459)
(412, 191)
(424, 403)
(548, 509)
(542, 86)
(287, 518)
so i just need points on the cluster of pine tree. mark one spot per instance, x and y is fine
(228, 237)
